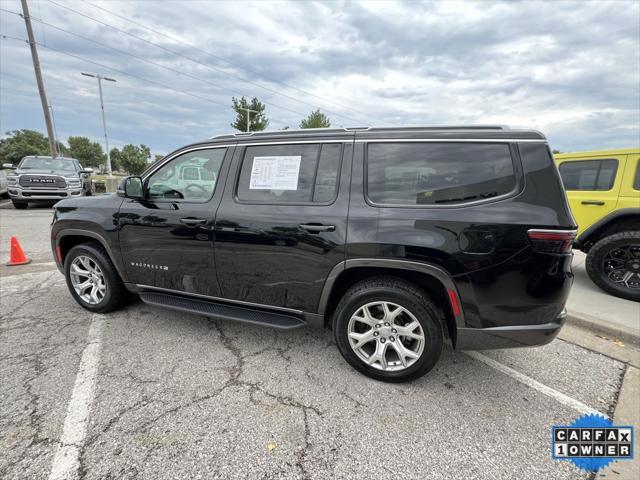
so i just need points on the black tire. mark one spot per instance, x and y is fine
(406, 295)
(17, 204)
(116, 294)
(596, 259)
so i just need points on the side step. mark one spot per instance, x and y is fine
(222, 310)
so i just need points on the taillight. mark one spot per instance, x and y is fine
(552, 241)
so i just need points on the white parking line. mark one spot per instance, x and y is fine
(536, 385)
(66, 462)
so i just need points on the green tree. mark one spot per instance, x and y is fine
(134, 158)
(316, 120)
(257, 121)
(21, 143)
(157, 157)
(89, 153)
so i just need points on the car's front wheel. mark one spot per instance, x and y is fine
(388, 329)
(613, 264)
(19, 204)
(93, 280)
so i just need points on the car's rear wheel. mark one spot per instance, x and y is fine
(613, 264)
(388, 329)
(93, 280)
(19, 205)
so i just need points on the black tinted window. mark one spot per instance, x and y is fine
(636, 181)
(438, 173)
(589, 174)
(290, 173)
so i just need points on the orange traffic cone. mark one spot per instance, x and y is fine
(17, 256)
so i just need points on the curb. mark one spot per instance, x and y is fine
(603, 327)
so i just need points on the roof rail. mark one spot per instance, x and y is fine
(361, 129)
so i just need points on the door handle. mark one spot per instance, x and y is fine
(592, 202)
(192, 222)
(315, 228)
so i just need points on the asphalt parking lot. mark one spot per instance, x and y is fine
(154, 394)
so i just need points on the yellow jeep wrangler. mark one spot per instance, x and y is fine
(603, 188)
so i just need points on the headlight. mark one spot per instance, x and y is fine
(12, 180)
(73, 181)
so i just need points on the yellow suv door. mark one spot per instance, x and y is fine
(630, 190)
(592, 185)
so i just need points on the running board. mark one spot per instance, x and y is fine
(222, 310)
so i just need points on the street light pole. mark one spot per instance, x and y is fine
(249, 111)
(104, 121)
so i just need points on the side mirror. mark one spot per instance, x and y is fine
(8, 165)
(88, 170)
(131, 187)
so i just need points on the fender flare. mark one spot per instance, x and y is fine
(623, 212)
(96, 236)
(432, 270)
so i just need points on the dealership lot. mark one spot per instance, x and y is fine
(183, 396)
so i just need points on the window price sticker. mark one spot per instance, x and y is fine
(275, 173)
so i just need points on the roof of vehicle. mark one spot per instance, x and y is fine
(498, 132)
(597, 153)
(48, 156)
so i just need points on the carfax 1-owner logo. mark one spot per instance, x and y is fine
(592, 442)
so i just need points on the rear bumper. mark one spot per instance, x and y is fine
(509, 337)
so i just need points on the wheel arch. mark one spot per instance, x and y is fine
(69, 238)
(617, 221)
(431, 279)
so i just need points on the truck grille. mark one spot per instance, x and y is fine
(42, 181)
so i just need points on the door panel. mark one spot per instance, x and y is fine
(592, 187)
(630, 190)
(273, 253)
(167, 238)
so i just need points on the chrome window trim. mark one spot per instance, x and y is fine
(344, 140)
(220, 299)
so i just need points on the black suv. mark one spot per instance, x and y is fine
(397, 239)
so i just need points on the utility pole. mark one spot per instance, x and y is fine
(249, 111)
(104, 121)
(36, 66)
(55, 130)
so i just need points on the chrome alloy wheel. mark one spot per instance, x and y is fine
(386, 336)
(621, 266)
(88, 280)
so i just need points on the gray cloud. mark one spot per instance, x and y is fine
(570, 69)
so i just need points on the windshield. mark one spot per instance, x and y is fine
(53, 164)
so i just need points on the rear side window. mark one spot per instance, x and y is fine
(589, 174)
(438, 173)
(301, 173)
(636, 181)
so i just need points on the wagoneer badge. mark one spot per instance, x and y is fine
(149, 265)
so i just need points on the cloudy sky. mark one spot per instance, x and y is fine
(570, 69)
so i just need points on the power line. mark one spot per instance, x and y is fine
(157, 32)
(142, 59)
(233, 64)
(154, 82)
(173, 52)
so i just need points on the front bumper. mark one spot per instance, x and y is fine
(34, 194)
(509, 337)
